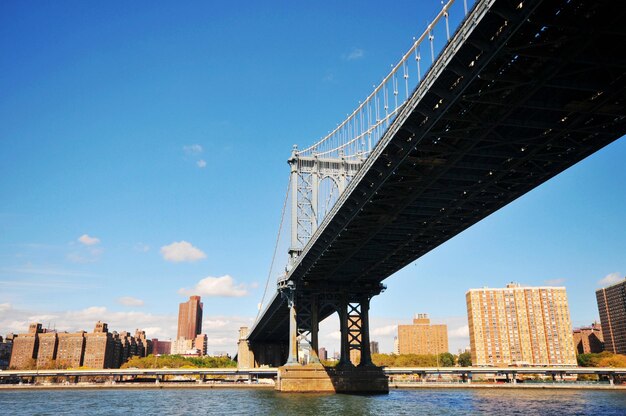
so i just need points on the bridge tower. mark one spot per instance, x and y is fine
(316, 183)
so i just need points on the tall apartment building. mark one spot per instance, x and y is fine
(520, 326)
(612, 309)
(421, 337)
(190, 318)
(47, 351)
(99, 348)
(71, 349)
(588, 339)
(25, 348)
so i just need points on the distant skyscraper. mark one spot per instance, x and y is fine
(612, 308)
(396, 346)
(323, 354)
(520, 325)
(190, 318)
(422, 338)
(374, 347)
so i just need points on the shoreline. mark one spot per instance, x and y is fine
(168, 385)
(262, 386)
(476, 385)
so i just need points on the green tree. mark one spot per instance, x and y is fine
(465, 359)
(446, 359)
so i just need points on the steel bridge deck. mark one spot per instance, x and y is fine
(516, 97)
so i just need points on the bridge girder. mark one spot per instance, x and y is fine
(509, 104)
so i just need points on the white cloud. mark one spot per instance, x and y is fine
(334, 335)
(181, 251)
(88, 241)
(554, 282)
(216, 286)
(5, 307)
(214, 323)
(354, 54)
(193, 149)
(461, 332)
(385, 331)
(130, 301)
(610, 279)
(201, 163)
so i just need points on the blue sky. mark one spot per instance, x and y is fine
(143, 152)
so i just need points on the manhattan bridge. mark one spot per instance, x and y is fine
(467, 121)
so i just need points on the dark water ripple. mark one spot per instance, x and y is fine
(267, 402)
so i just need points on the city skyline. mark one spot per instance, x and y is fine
(143, 161)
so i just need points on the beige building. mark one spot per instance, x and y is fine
(421, 337)
(520, 326)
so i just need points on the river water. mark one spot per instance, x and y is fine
(267, 402)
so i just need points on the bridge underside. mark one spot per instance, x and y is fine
(517, 96)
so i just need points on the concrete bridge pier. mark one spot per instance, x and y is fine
(358, 375)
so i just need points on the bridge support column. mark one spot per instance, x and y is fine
(344, 358)
(366, 354)
(292, 359)
(314, 356)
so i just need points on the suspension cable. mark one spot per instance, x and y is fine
(280, 227)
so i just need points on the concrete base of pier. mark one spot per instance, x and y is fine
(317, 378)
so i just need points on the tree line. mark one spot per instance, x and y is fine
(178, 361)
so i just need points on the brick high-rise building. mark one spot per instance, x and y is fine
(374, 347)
(99, 348)
(422, 338)
(70, 350)
(589, 339)
(47, 351)
(520, 325)
(323, 354)
(190, 318)
(612, 309)
(25, 347)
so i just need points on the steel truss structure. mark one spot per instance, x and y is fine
(522, 91)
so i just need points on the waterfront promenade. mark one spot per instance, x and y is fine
(400, 378)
